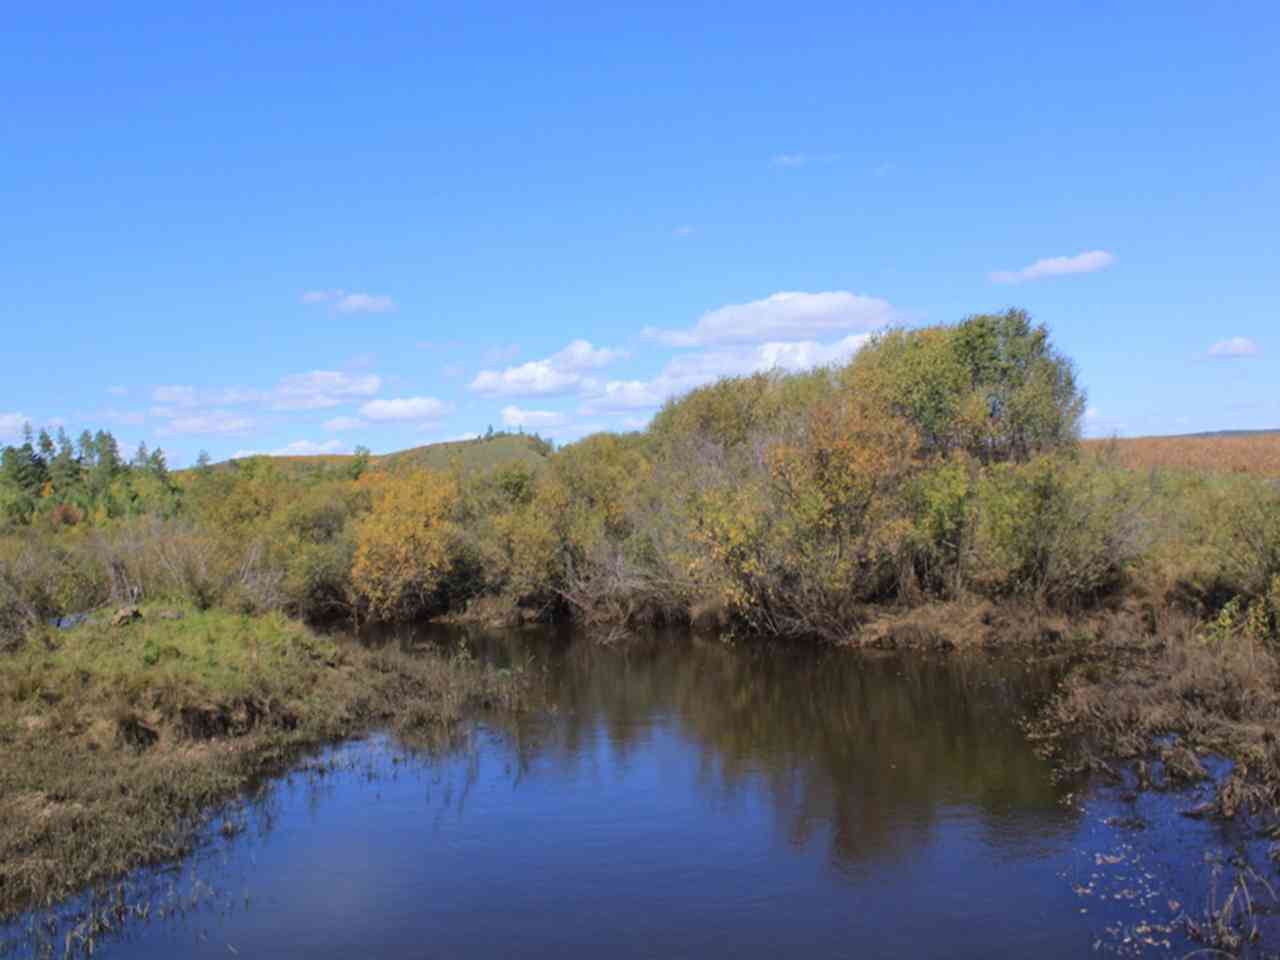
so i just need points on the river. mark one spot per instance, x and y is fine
(681, 797)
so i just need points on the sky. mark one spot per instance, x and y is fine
(276, 228)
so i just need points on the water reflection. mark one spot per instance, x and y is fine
(678, 797)
(867, 750)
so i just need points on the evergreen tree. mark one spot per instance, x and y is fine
(88, 452)
(157, 464)
(45, 446)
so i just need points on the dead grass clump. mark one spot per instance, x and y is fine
(1169, 699)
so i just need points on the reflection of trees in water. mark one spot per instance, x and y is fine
(871, 748)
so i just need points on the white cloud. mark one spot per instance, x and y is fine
(805, 354)
(11, 424)
(321, 296)
(1234, 347)
(404, 408)
(214, 421)
(687, 371)
(561, 372)
(516, 417)
(323, 388)
(129, 418)
(1086, 262)
(535, 378)
(619, 395)
(781, 316)
(187, 396)
(299, 448)
(338, 424)
(315, 390)
(789, 160)
(581, 355)
(344, 302)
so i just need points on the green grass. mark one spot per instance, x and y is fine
(472, 455)
(115, 741)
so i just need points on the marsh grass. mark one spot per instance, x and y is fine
(118, 743)
(1165, 700)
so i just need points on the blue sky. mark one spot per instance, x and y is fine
(311, 227)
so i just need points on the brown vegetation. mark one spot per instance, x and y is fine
(1252, 453)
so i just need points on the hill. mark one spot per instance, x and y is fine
(480, 454)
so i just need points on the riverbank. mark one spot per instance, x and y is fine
(117, 740)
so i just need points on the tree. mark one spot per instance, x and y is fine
(157, 465)
(359, 463)
(992, 386)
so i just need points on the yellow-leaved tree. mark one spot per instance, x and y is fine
(408, 545)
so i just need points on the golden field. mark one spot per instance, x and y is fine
(1251, 453)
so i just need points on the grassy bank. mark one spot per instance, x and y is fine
(115, 740)
(1163, 700)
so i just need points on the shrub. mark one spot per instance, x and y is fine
(1057, 531)
(409, 545)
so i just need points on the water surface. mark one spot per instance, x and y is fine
(680, 797)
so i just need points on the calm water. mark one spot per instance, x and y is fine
(684, 798)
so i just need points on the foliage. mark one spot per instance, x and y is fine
(408, 546)
(940, 464)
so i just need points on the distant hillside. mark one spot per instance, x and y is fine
(480, 454)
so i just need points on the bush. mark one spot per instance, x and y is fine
(1057, 531)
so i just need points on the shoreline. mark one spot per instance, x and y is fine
(119, 741)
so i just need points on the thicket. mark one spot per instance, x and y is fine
(940, 466)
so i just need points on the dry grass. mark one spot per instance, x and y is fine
(1163, 698)
(1257, 454)
(117, 742)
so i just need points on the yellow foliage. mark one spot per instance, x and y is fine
(406, 545)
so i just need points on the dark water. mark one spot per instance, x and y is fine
(685, 798)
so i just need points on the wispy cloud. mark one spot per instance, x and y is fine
(128, 418)
(323, 388)
(314, 390)
(400, 409)
(213, 422)
(177, 395)
(339, 424)
(1087, 262)
(1234, 348)
(787, 315)
(11, 424)
(684, 230)
(516, 417)
(355, 302)
(789, 160)
(299, 448)
(562, 372)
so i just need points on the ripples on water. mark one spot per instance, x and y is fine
(686, 798)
